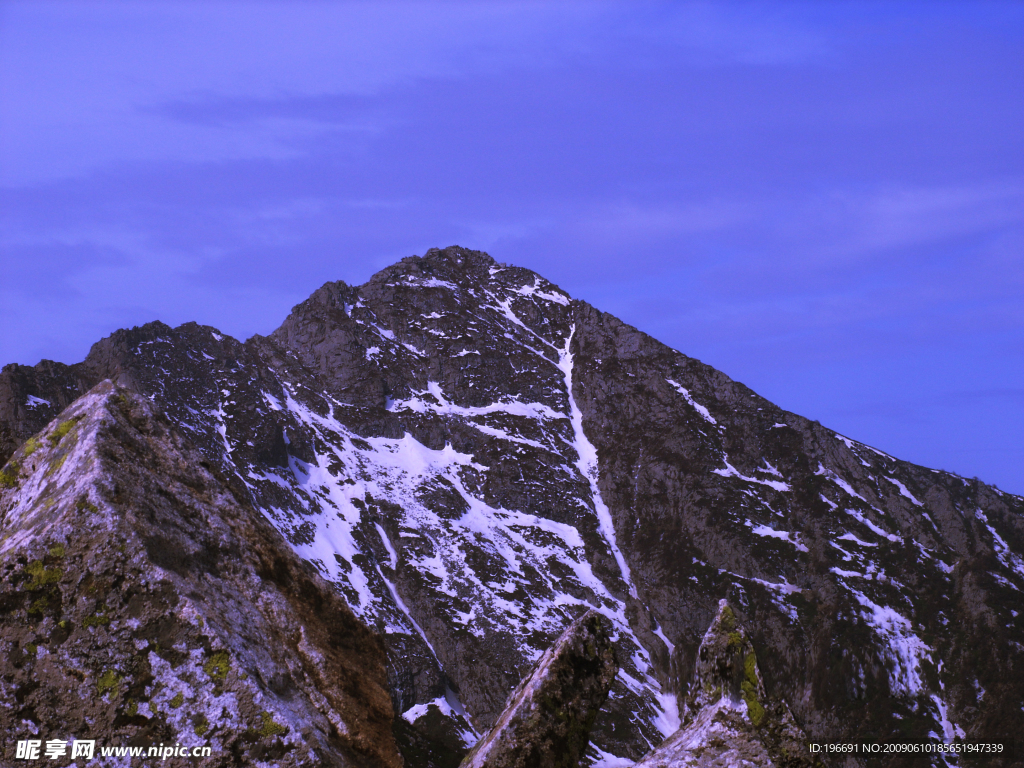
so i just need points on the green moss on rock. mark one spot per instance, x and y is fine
(201, 726)
(96, 620)
(755, 710)
(728, 619)
(9, 475)
(83, 504)
(39, 605)
(217, 667)
(56, 464)
(108, 682)
(750, 668)
(269, 726)
(62, 430)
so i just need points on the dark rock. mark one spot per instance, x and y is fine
(729, 721)
(547, 721)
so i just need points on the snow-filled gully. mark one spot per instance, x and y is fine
(394, 469)
(588, 467)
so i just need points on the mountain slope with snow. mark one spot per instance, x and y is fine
(473, 459)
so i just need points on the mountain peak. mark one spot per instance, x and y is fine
(457, 256)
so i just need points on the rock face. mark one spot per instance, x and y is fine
(547, 721)
(472, 458)
(143, 603)
(729, 722)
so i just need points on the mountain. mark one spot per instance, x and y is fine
(472, 459)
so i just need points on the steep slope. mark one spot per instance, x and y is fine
(142, 604)
(473, 459)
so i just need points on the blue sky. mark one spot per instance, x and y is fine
(823, 200)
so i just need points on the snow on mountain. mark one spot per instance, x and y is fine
(473, 459)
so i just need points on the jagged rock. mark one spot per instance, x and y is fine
(729, 722)
(547, 721)
(144, 603)
(471, 457)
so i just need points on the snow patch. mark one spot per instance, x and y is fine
(607, 759)
(417, 711)
(668, 720)
(764, 530)
(830, 475)
(860, 518)
(435, 283)
(587, 465)
(899, 645)
(950, 730)
(705, 414)
(1007, 556)
(731, 471)
(855, 540)
(534, 290)
(903, 490)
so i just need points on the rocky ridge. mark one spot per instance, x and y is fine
(473, 459)
(729, 722)
(144, 604)
(548, 717)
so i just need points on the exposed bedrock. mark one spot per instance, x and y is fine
(143, 602)
(548, 718)
(729, 722)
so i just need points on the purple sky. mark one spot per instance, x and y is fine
(823, 200)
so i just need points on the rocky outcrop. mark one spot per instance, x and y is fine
(547, 721)
(144, 603)
(729, 721)
(472, 458)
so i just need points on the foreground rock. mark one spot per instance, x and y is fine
(730, 723)
(549, 716)
(143, 604)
